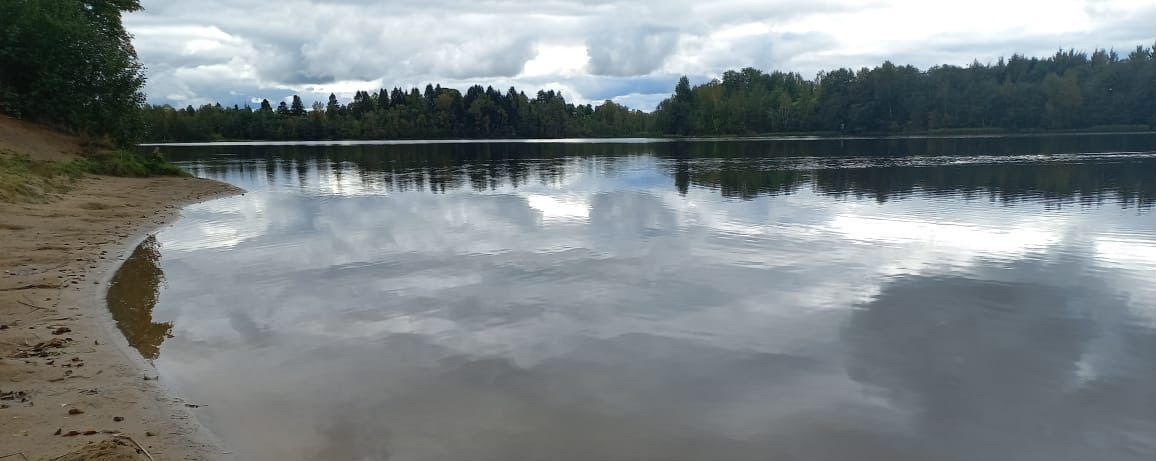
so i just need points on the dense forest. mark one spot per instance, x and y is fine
(1069, 90)
(435, 113)
(70, 63)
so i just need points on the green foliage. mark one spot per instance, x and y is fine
(128, 163)
(436, 112)
(1070, 90)
(71, 62)
(1064, 99)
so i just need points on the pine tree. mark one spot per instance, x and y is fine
(297, 109)
(333, 108)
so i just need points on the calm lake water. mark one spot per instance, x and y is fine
(901, 299)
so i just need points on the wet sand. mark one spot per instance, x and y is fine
(63, 365)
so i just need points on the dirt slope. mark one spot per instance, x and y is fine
(37, 142)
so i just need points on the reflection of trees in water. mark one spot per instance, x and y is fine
(132, 296)
(738, 179)
(743, 170)
(1010, 370)
(1128, 183)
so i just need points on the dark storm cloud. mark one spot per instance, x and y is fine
(233, 51)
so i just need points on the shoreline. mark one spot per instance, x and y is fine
(789, 136)
(199, 442)
(58, 259)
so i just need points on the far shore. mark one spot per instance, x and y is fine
(833, 136)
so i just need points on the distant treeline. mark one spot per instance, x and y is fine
(435, 113)
(1069, 90)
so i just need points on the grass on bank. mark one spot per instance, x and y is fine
(26, 180)
(131, 164)
(23, 179)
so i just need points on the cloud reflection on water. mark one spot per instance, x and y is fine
(595, 312)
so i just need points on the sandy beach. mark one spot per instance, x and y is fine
(68, 379)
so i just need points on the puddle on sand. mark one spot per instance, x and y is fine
(132, 296)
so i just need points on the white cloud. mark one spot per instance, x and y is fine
(556, 60)
(213, 50)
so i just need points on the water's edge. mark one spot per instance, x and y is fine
(207, 445)
(636, 140)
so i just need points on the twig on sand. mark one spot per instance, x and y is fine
(138, 446)
(28, 302)
(33, 306)
(31, 287)
(15, 454)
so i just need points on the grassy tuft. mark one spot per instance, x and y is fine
(132, 164)
(26, 180)
(37, 181)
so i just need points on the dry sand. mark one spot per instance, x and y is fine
(64, 367)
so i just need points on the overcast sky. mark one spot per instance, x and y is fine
(235, 51)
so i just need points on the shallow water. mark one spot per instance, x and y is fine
(961, 298)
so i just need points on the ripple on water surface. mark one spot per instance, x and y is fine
(970, 298)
